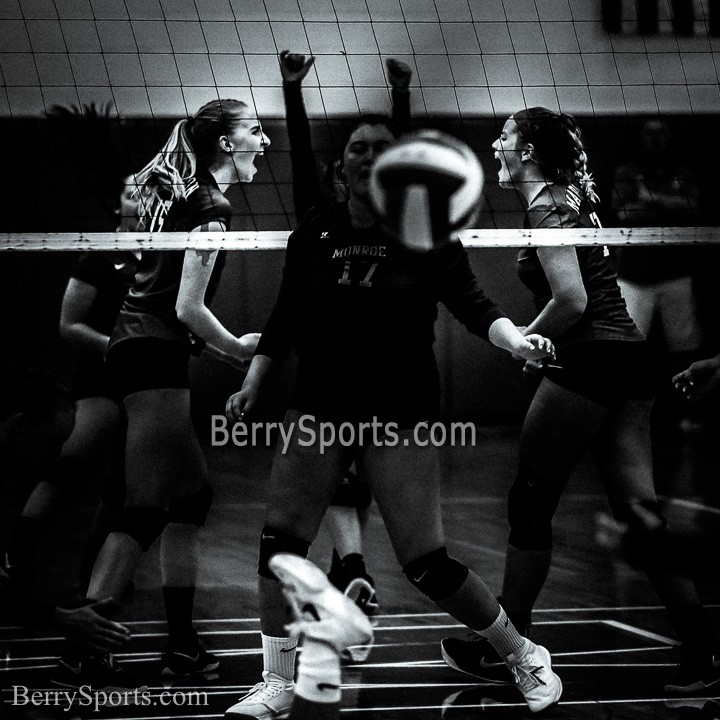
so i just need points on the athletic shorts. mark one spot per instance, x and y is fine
(607, 371)
(92, 379)
(140, 364)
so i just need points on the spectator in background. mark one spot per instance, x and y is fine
(658, 191)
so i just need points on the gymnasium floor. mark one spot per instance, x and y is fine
(611, 643)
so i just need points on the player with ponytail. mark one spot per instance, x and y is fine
(597, 396)
(164, 319)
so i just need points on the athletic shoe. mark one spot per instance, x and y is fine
(100, 672)
(534, 677)
(353, 580)
(696, 673)
(321, 612)
(270, 699)
(189, 660)
(477, 657)
(361, 590)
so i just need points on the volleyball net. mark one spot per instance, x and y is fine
(612, 64)
(273, 240)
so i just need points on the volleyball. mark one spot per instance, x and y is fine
(426, 187)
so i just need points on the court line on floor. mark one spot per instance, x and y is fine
(540, 611)
(378, 628)
(494, 704)
(639, 631)
(395, 628)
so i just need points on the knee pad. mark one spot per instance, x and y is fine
(352, 493)
(436, 574)
(142, 523)
(192, 510)
(274, 541)
(69, 474)
(532, 502)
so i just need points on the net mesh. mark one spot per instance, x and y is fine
(473, 64)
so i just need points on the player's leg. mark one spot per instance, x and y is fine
(302, 482)
(344, 522)
(81, 462)
(623, 455)
(326, 623)
(558, 430)
(188, 510)
(404, 480)
(159, 427)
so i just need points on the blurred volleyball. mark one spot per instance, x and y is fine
(426, 187)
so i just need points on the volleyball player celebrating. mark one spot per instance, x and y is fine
(359, 310)
(597, 397)
(163, 320)
(348, 510)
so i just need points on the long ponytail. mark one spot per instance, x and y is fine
(192, 141)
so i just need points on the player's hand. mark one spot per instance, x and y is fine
(535, 347)
(399, 73)
(295, 66)
(85, 625)
(241, 403)
(700, 380)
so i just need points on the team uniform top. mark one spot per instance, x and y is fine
(606, 317)
(359, 310)
(111, 274)
(149, 308)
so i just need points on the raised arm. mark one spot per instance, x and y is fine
(307, 189)
(399, 76)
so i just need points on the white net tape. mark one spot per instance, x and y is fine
(490, 238)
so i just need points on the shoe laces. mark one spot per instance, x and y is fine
(264, 690)
(527, 675)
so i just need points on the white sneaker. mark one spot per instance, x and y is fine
(268, 700)
(534, 677)
(321, 611)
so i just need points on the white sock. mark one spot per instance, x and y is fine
(319, 674)
(502, 635)
(279, 656)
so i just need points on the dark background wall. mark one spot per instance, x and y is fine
(44, 192)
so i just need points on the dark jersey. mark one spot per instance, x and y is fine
(111, 274)
(359, 310)
(149, 309)
(606, 317)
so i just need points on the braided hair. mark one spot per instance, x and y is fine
(192, 140)
(559, 149)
